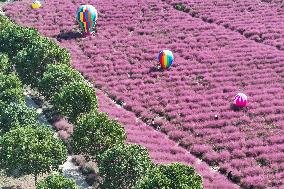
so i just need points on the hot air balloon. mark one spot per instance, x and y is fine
(36, 4)
(241, 100)
(165, 58)
(87, 17)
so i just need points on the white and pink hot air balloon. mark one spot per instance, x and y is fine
(241, 100)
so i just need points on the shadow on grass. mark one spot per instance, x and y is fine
(155, 69)
(69, 35)
(236, 108)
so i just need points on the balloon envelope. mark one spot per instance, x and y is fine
(36, 4)
(87, 16)
(241, 100)
(165, 58)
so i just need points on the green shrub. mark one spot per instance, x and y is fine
(122, 166)
(14, 38)
(5, 65)
(75, 99)
(14, 114)
(57, 76)
(176, 175)
(180, 6)
(31, 150)
(11, 88)
(4, 22)
(31, 62)
(56, 182)
(3, 19)
(95, 133)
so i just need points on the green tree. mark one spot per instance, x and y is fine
(75, 99)
(4, 22)
(95, 133)
(54, 181)
(28, 150)
(122, 166)
(15, 114)
(11, 88)
(31, 62)
(5, 65)
(176, 175)
(56, 77)
(14, 38)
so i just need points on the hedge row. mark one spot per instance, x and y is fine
(13, 111)
(44, 65)
(5, 64)
(26, 146)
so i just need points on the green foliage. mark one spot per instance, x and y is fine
(5, 65)
(122, 166)
(95, 133)
(4, 22)
(31, 150)
(75, 99)
(14, 114)
(57, 76)
(56, 182)
(30, 52)
(31, 62)
(180, 6)
(11, 88)
(176, 175)
(3, 19)
(14, 38)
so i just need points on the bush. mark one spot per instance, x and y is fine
(122, 166)
(14, 114)
(180, 6)
(87, 169)
(56, 182)
(5, 65)
(63, 124)
(31, 62)
(92, 178)
(14, 38)
(4, 22)
(75, 99)
(11, 88)
(95, 133)
(28, 150)
(175, 175)
(79, 160)
(57, 76)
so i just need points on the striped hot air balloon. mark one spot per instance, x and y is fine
(87, 17)
(240, 100)
(165, 58)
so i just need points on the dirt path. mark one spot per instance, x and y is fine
(69, 169)
(72, 171)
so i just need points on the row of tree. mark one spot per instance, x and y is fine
(28, 147)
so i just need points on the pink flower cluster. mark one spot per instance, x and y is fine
(211, 65)
(260, 21)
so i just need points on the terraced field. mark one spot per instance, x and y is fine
(220, 48)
